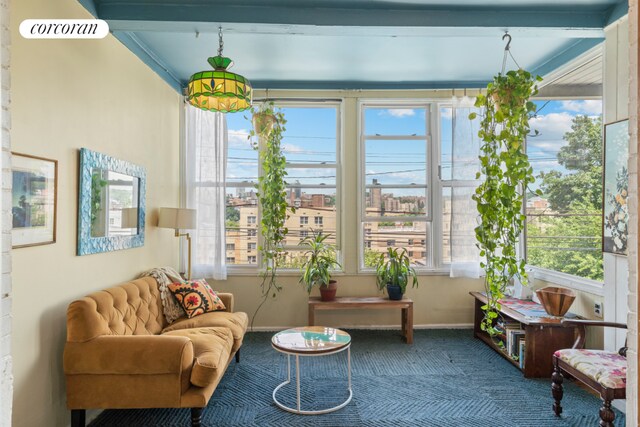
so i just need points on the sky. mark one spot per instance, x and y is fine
(311, 138)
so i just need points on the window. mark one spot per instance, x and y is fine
(311, 147)
(231, 260)
(395, 191)
(564, 223)
(410, 242)
(231, 246)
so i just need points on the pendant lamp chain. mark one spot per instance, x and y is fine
(220, 42)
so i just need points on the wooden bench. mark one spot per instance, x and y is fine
(367, 303)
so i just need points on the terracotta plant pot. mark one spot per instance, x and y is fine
(328, 292)
(263, 123)
(556, 301)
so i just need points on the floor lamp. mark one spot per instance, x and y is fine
(179, 219)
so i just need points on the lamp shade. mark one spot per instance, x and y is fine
(177, 218)
(219, 89)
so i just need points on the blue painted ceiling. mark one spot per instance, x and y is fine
(357, 43)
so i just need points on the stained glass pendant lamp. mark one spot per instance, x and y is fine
(219, 90)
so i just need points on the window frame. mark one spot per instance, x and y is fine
(338, 106)
(572, 281)
(433, 217)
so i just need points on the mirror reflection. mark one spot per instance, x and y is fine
(114, 203)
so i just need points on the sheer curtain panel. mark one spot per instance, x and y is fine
(465, 259)
(205, 167)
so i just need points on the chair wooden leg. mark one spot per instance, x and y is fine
(238, 356)
(556, 389)
(606, 414)
(78, 418)
(196, 417)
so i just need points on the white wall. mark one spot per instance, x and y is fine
(632, 300)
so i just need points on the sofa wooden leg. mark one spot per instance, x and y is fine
(556, 389)
(196, 417)
(606, 414)
(238, 356)
(77, 418)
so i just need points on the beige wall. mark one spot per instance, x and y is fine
(438, 301)
(67, 95)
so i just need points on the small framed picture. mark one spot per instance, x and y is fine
(33, 200)
(616, 188)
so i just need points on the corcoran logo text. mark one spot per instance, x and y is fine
(64, 29)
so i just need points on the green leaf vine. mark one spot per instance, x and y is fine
(506, 174)
(269, 126)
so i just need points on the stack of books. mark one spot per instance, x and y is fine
(512, 337)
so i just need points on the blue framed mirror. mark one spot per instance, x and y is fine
(111, 204)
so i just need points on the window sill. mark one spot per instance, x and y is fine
(248, 271)
(569, 281)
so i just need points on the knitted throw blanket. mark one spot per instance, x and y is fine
(166, 276)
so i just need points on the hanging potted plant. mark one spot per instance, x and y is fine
(506, 175)
(271, 187)
(394, 272)
(316, 269)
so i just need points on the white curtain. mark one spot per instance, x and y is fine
(465, 259)
(205, 167)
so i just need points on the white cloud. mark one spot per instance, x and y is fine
(238, 138)
(552, 126)
(400, 112)
(591, 107)
(291, 148)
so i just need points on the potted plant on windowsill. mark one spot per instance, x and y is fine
(320, 259)
(394, 272)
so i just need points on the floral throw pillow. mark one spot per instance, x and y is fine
(196, 297)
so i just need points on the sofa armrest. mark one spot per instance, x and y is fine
(129, 354)
(227, 300)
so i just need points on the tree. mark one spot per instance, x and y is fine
(583, 156)
(567, 237)
(232, 214)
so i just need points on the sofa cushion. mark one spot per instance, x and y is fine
(605, 367)
(236, 322)
(132, 308)
(196, 297)
(211, 350)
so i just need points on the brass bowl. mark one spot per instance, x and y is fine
(556, 301)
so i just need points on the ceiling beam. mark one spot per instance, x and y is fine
(199, 11)
(563, 57)
(355, 85)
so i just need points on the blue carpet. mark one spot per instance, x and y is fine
(445, 379)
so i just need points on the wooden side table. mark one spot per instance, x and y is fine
(367, 303)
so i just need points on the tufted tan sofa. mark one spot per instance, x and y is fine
(122, 353)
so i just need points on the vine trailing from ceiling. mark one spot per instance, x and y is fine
(506, 173)
(269, 126)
